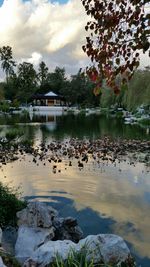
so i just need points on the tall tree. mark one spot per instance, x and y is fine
(57, 80)
(7, 61)
(27, 81)
(42, 73)
(118, 29)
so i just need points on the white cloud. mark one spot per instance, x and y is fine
(40, 30)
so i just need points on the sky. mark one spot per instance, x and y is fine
(52, 31)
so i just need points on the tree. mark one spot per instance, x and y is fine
(118, 30)
(57, 79)
(43, 73)
(78, 91)
(7, 61)
(27, 81)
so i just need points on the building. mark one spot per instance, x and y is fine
(49, 99)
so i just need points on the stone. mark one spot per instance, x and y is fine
(1, 236)
(70, 222)
(104, 247)
(108, 248)
(9, 239)
(36, 214)
(67, 229)
(29, 239)
(1, 263)
(46, 254)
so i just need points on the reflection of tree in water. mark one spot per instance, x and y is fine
(74, 126)
(96, 126)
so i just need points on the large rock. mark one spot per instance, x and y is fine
(1, 263)
(9, 239)
(106, 248)
(1, 236)
(36, 214)
(30, 239)
(46, 254)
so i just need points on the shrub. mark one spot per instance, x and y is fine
(9, 205)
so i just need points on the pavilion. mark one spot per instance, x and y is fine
(49, 99)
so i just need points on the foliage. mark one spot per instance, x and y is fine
(137, 93)
(118, 29)
(145, 122)
(10, 204)
(57, 80)
(43, 72)
(4, 106)
(9, 260)
(27, 81)
(79, 259)
(7, 61)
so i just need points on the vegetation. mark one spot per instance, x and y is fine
(117, 31)
(77, 90)
(137, 93)
(10, 204)
(9, 260)
(79, 259)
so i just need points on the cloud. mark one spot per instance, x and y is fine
(45, 30)
(42, 30)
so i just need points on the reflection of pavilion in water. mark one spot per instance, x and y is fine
(47, 119)
(50, 122)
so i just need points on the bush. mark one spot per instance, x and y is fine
(9, 205)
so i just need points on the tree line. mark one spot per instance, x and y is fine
(23, 81)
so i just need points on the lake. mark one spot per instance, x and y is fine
(104, 197)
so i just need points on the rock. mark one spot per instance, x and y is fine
(103, 247)
(39, 223)
(9, 239)
(37, 214)
(70, 222)
(1, 236)
(46, 254)
(29, 239)
(67, 229)
(1, 263)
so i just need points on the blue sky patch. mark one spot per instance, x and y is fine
(60, 1)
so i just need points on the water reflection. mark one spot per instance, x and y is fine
(112, 199)
(93, 126)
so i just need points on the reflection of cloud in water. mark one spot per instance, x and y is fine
(111, 193)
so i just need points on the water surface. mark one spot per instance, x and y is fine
(105, 198)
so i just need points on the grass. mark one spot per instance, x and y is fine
(13, 134)
(10, 203)
(79, 259)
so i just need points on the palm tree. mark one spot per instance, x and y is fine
(7, 61)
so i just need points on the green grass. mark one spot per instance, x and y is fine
(13, 134)
(79, 259)
(9, 205)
